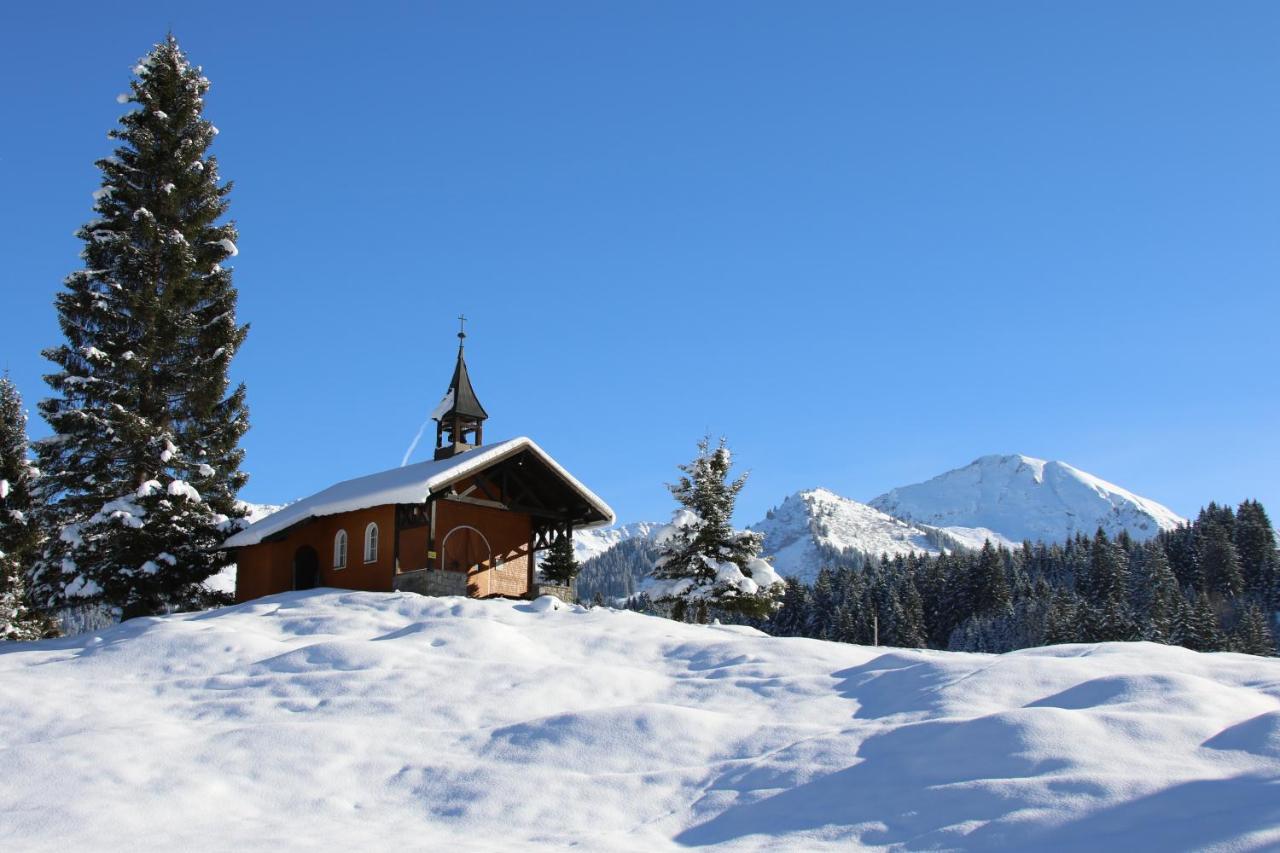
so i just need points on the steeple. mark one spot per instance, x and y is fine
(459, 415)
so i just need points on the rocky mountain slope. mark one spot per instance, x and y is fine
(811, 527)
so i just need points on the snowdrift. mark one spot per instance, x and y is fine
(336, 720)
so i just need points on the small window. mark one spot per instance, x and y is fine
(371, 543)
(340, 550)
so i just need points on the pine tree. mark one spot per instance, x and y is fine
(991, 587)
(19, 535)
(821, 623)
(141, 476)
(912, 633)
(702, 558)
(1198, 625)
(1221, 564)
(790, 617)
(1163, 597)
(560, 565)
(1252, 636)
(1255, 543)
(1062, 623)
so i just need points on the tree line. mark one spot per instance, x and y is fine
(1211, 585)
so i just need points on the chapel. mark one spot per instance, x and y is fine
(467, 522)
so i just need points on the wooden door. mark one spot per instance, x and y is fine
(466, 550)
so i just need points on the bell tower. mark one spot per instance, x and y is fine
(459, 417)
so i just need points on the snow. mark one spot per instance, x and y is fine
(443, 406)
(183, 488)
(1022, 497)
(122, 98)
(976, 537)
(121, 510)
(810, 523)
(81, 587)
(680, 519)
(227, 246)
(205, 470)
(167, 188)
(762, 572)
(408, 484)
(332, 720)
(4, 489)
(588, 543)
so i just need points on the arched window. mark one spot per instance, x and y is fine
(371, 543)
(340, 550)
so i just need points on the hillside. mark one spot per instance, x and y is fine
(1024, 498)
(341, 720)
(809, 527)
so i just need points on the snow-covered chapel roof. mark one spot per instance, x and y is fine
(408, 485)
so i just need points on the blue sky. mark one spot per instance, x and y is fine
(866, 242)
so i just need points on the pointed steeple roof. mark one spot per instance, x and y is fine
(460, 400)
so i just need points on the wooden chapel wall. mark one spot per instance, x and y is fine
(509, 536)
(267, 568)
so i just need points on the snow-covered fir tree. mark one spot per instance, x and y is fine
(141, 474)
(560, 566)
(1252, 634)
(1161, 596)
(19, 534)
(703, 562)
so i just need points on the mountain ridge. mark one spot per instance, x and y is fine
(1002, 498)
(1026, 498)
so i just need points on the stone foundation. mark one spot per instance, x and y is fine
(431, 582)
(567, 594)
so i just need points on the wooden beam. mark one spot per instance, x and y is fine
(395, 541)
(483, 482)
(431, 533)
(467, 499)
(524, 487)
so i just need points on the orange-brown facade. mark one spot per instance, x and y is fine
(490, 548)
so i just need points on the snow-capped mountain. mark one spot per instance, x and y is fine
(593, 543)
(808, 526)
(1022, 497)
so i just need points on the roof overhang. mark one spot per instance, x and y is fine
(415, 484)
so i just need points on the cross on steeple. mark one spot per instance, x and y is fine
(462, 326)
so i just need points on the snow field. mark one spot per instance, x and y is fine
(328, 720)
